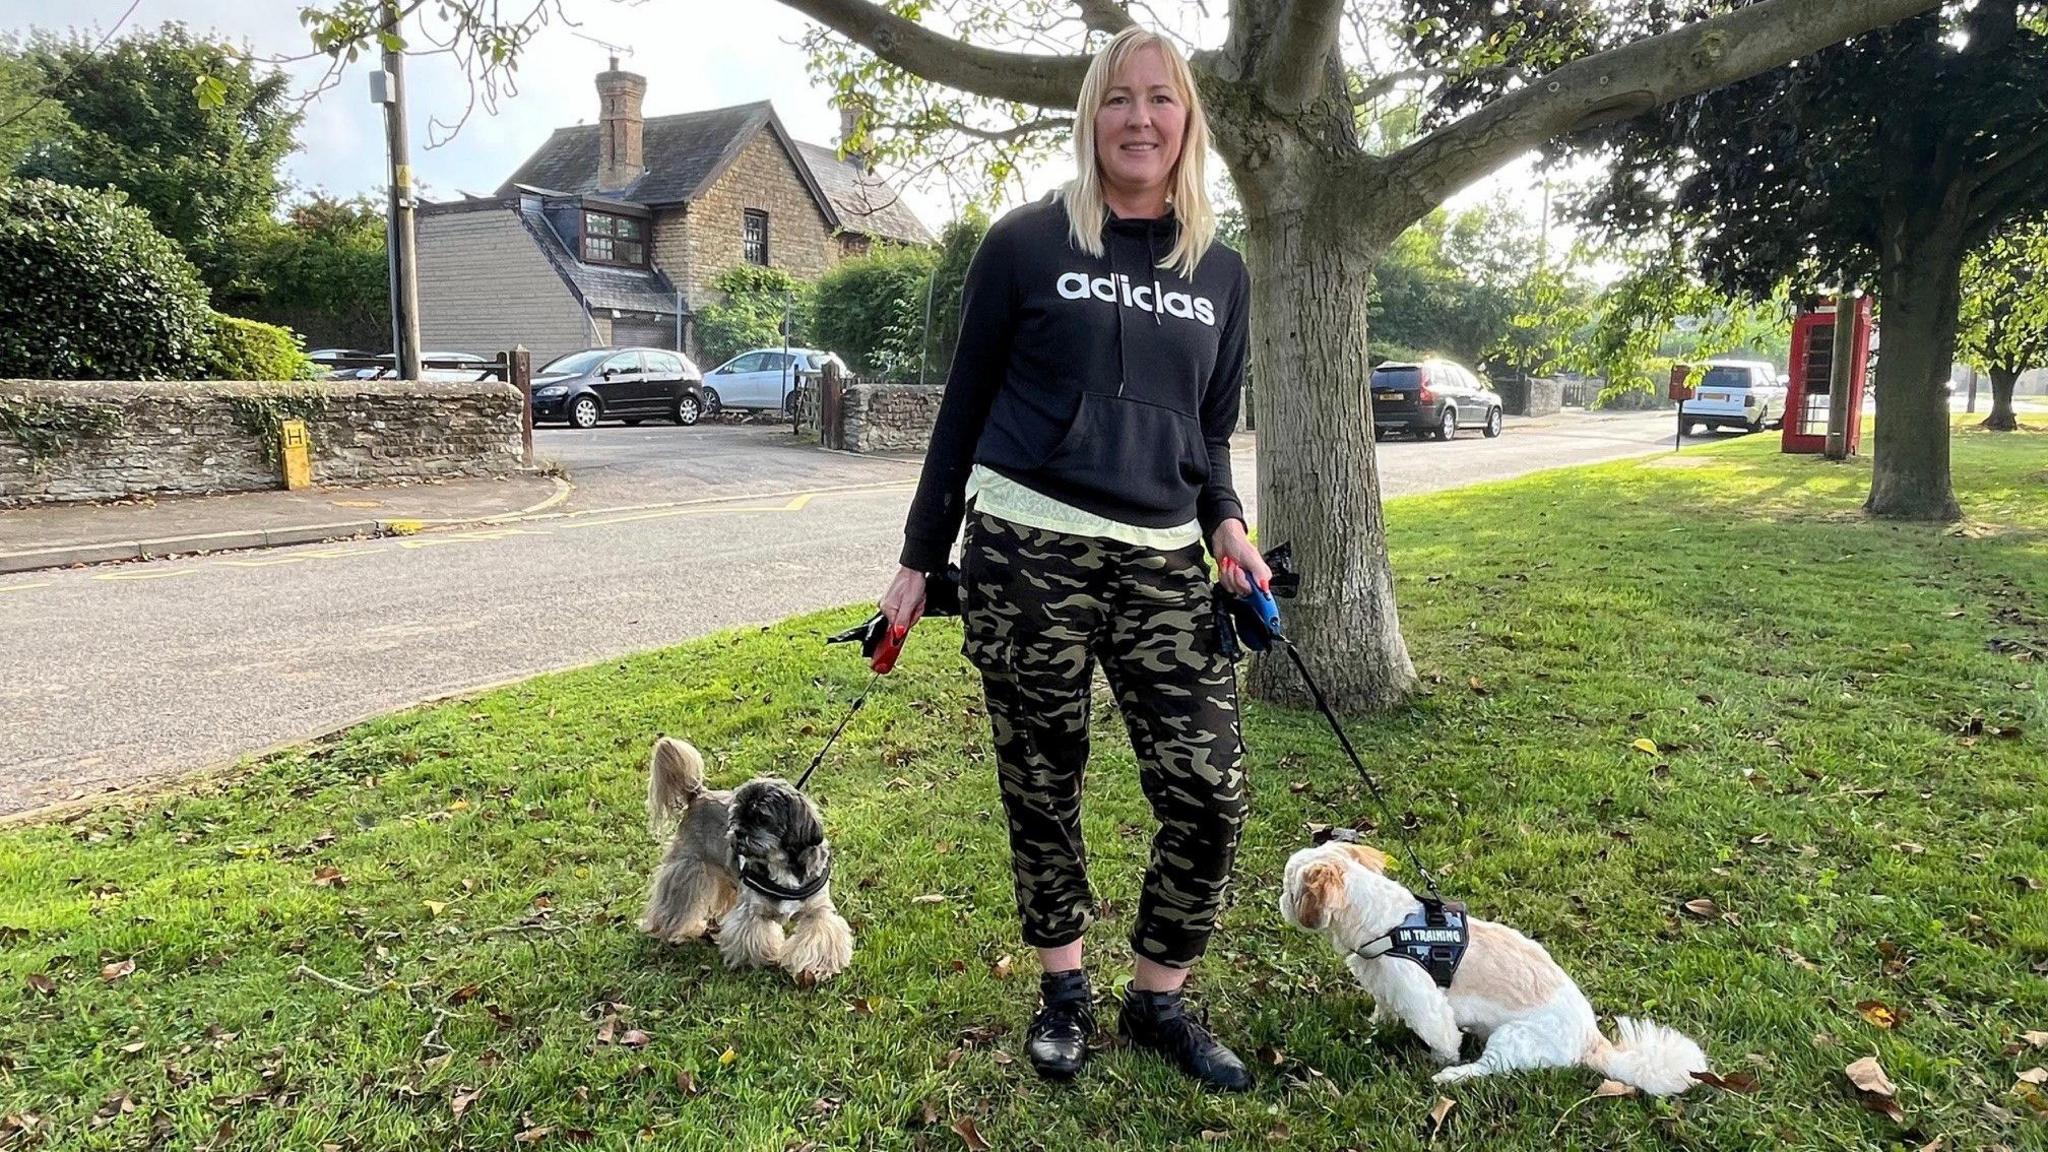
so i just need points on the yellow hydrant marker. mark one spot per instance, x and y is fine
(293, 450)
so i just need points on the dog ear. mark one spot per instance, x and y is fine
(1368, 855)
(1319, 889)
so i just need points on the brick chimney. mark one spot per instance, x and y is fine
(620, 160)
(851, 109)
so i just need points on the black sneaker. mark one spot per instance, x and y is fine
(1158, 1021)
(1057, 1041)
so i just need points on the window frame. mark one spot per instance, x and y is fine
(609, 235)
(747, 217)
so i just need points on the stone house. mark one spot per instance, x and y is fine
(612, 233)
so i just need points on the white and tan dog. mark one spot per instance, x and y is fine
(1507, 990)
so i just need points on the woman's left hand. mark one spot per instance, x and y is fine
(1238, 562)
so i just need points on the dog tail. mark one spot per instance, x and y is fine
(675, 780)
(1657, 1060)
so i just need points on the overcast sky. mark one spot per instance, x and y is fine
(696, 54)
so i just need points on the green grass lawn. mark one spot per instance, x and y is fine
(1849, 724)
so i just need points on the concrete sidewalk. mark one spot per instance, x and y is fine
(60, 535)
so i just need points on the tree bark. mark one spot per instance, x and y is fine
(1318, 477)
(1920, 269)
(2002, 418)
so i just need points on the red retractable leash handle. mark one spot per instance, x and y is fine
(891, 648)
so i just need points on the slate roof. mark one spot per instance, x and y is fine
(865, 202)
(686, 153)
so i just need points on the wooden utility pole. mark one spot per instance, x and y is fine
(388, 89)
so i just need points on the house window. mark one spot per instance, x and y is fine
(754, 237)
(609, 239)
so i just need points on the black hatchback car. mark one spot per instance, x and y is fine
(625, 384)
(1433, 398)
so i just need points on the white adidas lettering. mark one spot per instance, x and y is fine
(1120, 290)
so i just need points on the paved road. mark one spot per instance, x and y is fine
(115, 675)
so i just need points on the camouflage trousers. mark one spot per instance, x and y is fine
(1041, 609)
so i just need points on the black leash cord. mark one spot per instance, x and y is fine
(858, 702)
(1386, 809)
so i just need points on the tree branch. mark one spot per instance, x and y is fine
(1104, 16)
(1046, 81)
(1384, 84)
(1634, 78)
(991, 135)
(1291, 68)
(2006, 183)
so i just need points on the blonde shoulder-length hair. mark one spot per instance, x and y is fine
(1087, 206)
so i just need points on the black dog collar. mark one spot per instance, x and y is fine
(758, 879)
(1434, 937)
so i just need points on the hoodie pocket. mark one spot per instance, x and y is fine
(1146, 453)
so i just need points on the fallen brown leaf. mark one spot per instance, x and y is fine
(1702, 908)
(929, 898)
(328, 876)
(139, 1045)
(1001, 968)
(42, 984)
(118, 971)
(1933, 1145)
(1477, 685)
(635, 1038)
(861, 1007)
(686, 1082)
(2034, 1076)
(1740, 1083)
(1610, 1088)
(1878, 1013)
(460, 1102)
(1439, 1113)
(969, 1134)
(534, 1135)
(1212, 1136)
(2035, 1039)
(1875, 1089)
(463, 995)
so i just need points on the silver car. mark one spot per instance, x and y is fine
(761, 380)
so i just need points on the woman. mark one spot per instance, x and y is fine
(1085, 438)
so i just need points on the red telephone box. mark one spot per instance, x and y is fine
(1812, 372)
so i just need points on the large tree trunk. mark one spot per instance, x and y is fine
(2002, 418)
(1920, 276)
(1311, 263)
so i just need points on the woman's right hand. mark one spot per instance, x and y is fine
(903, 603)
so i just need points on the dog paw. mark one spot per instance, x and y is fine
(1457, 1072)
(819, 948)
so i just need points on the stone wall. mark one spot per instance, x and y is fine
(99, 440)
(1529, 395)
(890, 417)
(762, 177)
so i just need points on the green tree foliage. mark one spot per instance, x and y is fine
(27, 113)
(862, 304)
(751, 314)
(92, 292)
(2003, 328)
(321, 270)
(1453, 284)
(188, 127)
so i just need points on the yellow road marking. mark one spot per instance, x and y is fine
(24, 587)
(146, 575)
(795, 505)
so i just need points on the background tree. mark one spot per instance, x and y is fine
(320, 271)
(1890, 157)
(754, 303)
(27, 113)
(188, 127)
(2003, 329)
(1295, 93)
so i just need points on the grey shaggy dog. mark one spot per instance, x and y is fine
(778, 830)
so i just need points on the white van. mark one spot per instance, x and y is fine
(1735, 394)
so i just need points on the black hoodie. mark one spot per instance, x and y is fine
(1109, 383)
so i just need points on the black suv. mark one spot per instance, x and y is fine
(1433, 398)
(627, 384)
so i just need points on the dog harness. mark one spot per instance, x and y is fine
(1434, 937)
(757, 878)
